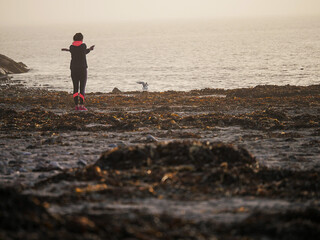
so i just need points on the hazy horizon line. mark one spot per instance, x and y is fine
(165, 20)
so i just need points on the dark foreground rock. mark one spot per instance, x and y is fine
(292, 224)
(173, 172)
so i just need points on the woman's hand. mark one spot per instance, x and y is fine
(91, 48)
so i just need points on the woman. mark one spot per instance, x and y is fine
(78, 67)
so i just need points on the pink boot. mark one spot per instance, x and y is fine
(83, 108)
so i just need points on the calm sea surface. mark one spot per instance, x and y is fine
(172, 55)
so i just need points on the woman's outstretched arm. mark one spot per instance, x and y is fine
(65, 49)
(89, 49)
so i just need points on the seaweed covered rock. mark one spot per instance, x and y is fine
(199, 154)
(263, 91)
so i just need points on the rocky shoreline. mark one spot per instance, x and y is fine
(9, 66)
(204, 164)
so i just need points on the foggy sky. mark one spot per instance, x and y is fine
(29, 12)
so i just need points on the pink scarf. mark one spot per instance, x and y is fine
(77, 43)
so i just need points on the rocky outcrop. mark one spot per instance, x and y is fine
(9, 66)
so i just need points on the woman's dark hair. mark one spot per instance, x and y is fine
(78, 37)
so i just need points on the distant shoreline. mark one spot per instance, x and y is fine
(263, 90)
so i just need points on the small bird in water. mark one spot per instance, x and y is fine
(144, 85)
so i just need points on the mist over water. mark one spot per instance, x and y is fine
(172, 55)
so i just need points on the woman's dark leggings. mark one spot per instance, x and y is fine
(79, 76)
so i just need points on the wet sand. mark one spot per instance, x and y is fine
(204, 164)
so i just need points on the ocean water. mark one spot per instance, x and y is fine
(173, 55)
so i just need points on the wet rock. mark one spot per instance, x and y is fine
(42, 176)
(117, 144)
(112, 145)
(150, 138)
(116, 90)
(32, 146)
(3, 74)
(39, 167)
(9, 66)
(52, 140)
(121, 144)
(43, 167)
(3, 167)
(55, 166)
(26, 153)
(82, 163)
(15, 162)
(23, 169)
